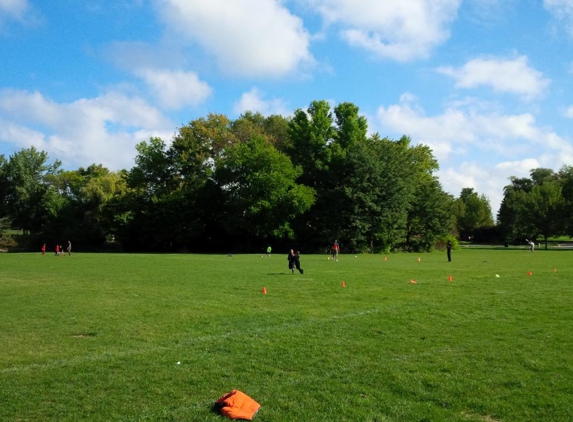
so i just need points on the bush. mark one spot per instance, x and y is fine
(442, 242)
(6, 243)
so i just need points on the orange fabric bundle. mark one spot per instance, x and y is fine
(237, 405)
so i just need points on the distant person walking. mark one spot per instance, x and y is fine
(57, 250)
(44, 249)
(69, 248)
(335, 250)
(269, 249)
(449, 250)
(531, 245)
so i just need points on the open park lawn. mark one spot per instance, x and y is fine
(126, 337)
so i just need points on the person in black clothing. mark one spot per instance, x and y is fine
(297, 262)
(294, 261)
(449, 250)
(290, 258)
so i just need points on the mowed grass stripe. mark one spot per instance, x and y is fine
(254, 333)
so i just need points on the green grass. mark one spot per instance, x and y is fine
(97, 337)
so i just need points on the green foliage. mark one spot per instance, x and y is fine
(6, 241)
(25, 185)
(472, 211)
(540, 206)
(261, 195)
(545, 209)
(226, 184)
(442, 242)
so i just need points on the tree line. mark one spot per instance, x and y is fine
(538, 207)
(225, 185)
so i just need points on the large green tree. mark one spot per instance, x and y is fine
(537, 206)
(429, 214)
(510, 217)
(261, 196)
(545, 210)
(472, 211)
(26, 188)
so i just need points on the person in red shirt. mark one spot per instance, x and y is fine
(44, 249)
(57, 250)
(335, 250)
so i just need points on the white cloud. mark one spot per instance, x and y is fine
(401, 31)
(247, 37)
(486, 178)
(519, 168)
(457, 129)
(175, 89)
(569, 112)
(102, 130)
(513, 76)
(253, 101)
(477, 176)
(500, 145)
(14, 9)
(562, 10)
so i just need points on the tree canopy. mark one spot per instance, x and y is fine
(237, 185)
(539, 206)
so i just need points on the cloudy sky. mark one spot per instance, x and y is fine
(486, 84)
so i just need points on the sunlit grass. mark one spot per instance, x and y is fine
(98, 337)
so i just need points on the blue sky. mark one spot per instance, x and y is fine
(485, 83)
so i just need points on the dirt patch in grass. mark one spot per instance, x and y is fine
(84, 335)
(480, 418)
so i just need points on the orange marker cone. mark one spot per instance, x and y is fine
(554, 270)
(343, 284)
(264, 290)
(529, 273)
(450, 278)
(413, 282)
(419, 259)
(385, 258)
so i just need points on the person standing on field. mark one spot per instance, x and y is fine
(449, 250)
(291, 258)
(44, 249)
(69, 248)
(335, 250)
(269, 249)
(531, 245)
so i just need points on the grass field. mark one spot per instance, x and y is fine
(98, 337)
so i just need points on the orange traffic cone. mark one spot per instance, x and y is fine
(264, 290)
(450, 278)
(413, 282)
(343, 284)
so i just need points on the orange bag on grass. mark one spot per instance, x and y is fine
(237, 405)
